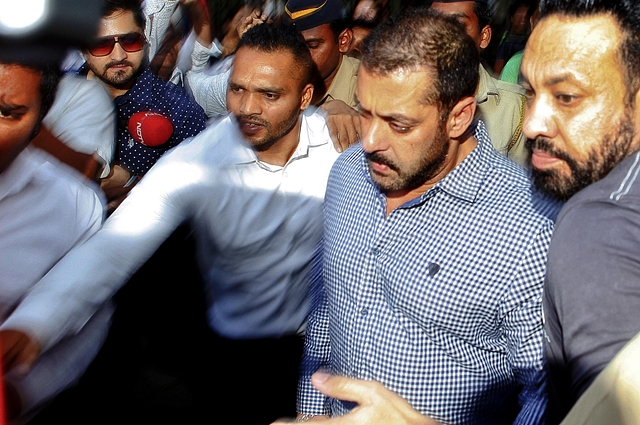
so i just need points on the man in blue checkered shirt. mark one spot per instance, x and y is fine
(434, 246)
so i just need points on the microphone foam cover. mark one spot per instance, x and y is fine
(150, 128)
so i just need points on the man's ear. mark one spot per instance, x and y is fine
(344, 40)
(485, 37)
(636, 112)
(307, 95)
(461, 117)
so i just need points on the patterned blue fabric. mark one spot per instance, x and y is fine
(151, 93)
(441, 300)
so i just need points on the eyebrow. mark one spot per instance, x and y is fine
(548, 82)
(557, 80)
(278, 90)
(399, 118)
(457, 15)
(390, 117)
(12, 107)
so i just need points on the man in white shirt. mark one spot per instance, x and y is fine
(44, 212)
(252, 187)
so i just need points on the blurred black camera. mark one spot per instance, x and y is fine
(39, 31)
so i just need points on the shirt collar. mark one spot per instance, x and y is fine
(142, 88)
(342, 80)
(486, 87)
(18, 174)
(466, 179)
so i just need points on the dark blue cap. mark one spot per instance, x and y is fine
(305, 14)
(487, 2)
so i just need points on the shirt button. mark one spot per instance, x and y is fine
(364, 311)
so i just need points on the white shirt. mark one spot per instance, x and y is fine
(83, 117)
(44, 212)
(209, 86)
(158, 17)
(256, 225)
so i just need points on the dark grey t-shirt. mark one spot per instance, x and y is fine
(592, 290)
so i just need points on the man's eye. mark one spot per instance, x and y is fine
(9, 113)
(271, 96)
(313, 45)
(566, 99)
(399, 128)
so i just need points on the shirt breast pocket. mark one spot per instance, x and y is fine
(433, 294)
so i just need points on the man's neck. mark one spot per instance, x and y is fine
(326, 83)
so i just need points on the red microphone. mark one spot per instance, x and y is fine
(150, 128)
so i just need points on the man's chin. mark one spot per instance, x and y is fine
(554, 184)
(259, 143)
(121, 81)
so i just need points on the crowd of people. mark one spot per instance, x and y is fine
(317, 211)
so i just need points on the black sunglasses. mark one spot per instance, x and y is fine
(131, 42)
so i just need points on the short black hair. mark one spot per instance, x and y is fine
(337, 26)
(483, 13)
(423, 38)
(626, 13)
(133, 6)
(513, 7)
(272, 37)
(50, 77)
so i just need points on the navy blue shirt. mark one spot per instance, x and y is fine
(151, 93)
(592, 288)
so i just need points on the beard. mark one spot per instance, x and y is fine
(601, 160)
(274, 132)
(411, 178)
(121, 79)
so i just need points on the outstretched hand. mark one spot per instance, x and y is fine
(19, 352)
(376, 404)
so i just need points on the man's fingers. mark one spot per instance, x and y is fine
(343, 132)
(341, 388)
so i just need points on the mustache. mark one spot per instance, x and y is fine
(377, 157)
(252, 119)
(543, 144)
(118, 63)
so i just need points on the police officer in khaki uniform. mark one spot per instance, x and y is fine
(500, 104)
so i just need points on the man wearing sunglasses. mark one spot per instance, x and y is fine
(118, 59)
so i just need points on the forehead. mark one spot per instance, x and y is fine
(271, 68)
(583, 49)
(119, 22)
(19, 86)
(392, 94)
(462, 9)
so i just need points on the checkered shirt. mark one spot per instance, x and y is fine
(441, 300)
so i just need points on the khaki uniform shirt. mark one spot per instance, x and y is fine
(343, 86)
(501, 107)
